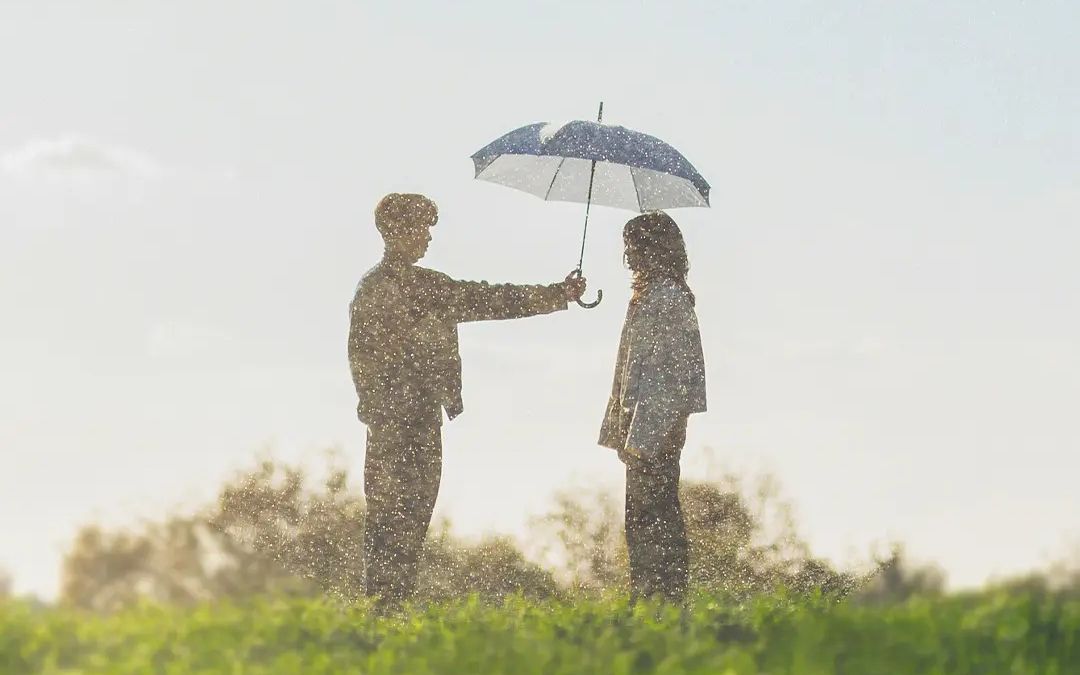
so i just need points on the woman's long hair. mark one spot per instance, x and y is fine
(660, 251)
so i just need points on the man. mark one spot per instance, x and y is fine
(403, 353)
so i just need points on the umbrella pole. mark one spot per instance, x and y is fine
(585, 231)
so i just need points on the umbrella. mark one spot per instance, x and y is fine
(585, 161)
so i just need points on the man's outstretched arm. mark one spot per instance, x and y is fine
(481, 301)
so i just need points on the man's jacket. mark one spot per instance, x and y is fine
(659, 372)
(403, 338)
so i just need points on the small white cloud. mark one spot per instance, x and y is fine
(77, 159)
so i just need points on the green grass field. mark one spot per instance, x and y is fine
(977, 633)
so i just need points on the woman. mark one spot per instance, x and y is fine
(659, 383)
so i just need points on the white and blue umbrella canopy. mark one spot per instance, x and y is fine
(634, 171)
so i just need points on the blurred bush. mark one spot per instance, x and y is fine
(275, 530)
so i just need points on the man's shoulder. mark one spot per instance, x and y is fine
(375, 285)
(424, 282)
(370, 280)
(373, 276)
(384, 283)
(429, 275)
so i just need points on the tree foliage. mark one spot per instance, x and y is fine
(741, 542)
(274, 530)
(270, 531)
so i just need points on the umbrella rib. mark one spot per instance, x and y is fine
(553, 177)
(637, 193)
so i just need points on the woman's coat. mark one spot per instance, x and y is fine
(659, 371)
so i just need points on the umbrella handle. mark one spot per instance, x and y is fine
(587, 305)
(594, 303)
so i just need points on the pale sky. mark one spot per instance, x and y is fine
(886, 282)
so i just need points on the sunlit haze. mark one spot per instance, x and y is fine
(887, 282)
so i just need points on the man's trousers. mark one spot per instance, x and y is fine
(402, 471)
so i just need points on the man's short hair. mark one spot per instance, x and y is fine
(399, 210)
